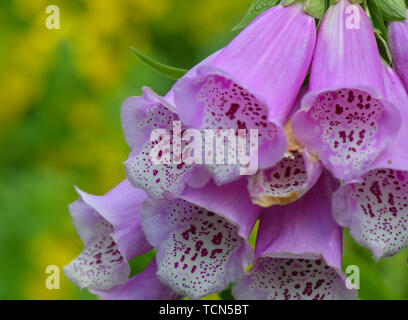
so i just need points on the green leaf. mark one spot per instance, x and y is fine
(376, 17)
(286, 3)
(380, 30)
(256, 8)
(315, 8)
(383, 47)
(393, 9)
(169, 72)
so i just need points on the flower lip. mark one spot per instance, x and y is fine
(291, 276)
(120, 208)
(309, 131)
(292, 176)
(110, 229)
(289, 179)
(201, 237)
(373, 210)
(140, 117)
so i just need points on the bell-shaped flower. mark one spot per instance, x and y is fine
(291, 177)
(201, 237)
(398, 42)
(298, 252)
(110, 229)
(345, 120)
(154, 133)
(375, 207)
(250, 87)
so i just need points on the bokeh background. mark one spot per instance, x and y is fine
(60, 98)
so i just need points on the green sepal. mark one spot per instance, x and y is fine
(167, 71)
(256, 8)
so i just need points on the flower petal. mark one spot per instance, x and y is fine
(298, 251)
(241, 88)
(143, 286)
(121, 208)
(100, 265)
(110, 228)
(398, 41)
(201, 238)
(344, 119)
(375, 207)
(162, 179)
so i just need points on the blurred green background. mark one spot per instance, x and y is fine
(60, 98)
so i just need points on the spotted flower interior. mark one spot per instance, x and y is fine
(347, 122)
(280, 184)
(196, 248)
(379, 219)
(290, 279)
(100, 265)
(168, 173)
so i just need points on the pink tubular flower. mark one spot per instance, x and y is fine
(375, 206)
(252, 84)
(398, 42)
(344, 119)
(140, 117)
(201, 237)
(298, 251)
(290, 178)
(110, 229)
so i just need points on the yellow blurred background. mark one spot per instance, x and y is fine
(60, 97)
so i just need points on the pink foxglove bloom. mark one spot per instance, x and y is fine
(398, 42)
(110, 229)
(298, 251)
(344, 119)
(201, 237)
(290, 178)
(252, 84)
(140, 117)
(375, 207)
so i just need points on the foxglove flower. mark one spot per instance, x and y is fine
(298, 251)
(140, 117)
(110, 229)
(251, 84)
(344, 119)
(398, 43)
(201, 237)
(375, 207)
(291, 177)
